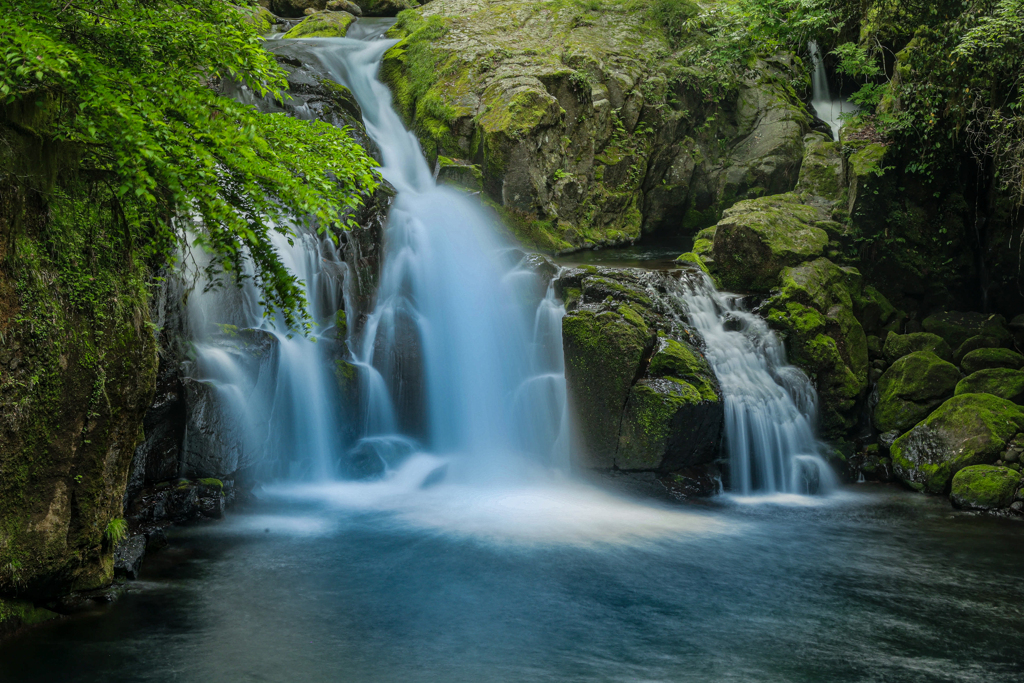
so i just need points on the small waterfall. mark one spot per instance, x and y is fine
(829, 109)
(770, 405)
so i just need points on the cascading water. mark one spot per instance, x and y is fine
(770, 405)
(461, 357)
(829, 109)
(463, 349)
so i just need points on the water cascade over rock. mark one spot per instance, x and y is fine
(770, 405)
(828, 108)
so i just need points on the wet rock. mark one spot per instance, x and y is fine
(984, 487)
(645, 397)
(128, 556)
(322, 25)
(909, 390)
(970, 429)
(814, 309)
(899, 345)
(344, 6)
(886, 440)
(985, 359)
(295, 8)
(387, 8)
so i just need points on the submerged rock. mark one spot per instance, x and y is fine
(644, 395)
(909, 390)
(984, 487)
(969, 429)
(128, 556)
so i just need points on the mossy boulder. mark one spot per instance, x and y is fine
(874, 312)
(980, 341)
(984, 487)
(814, 311)
(644, 396)
(584, 123)
(969, 429)
(16, 614)
(260, 17)
(1002, 382)
(899, 345)
(294, 8)
(757, 238)
(985, 359)
(387, 8)
(822, 179)
(911, 388)
(957, 327)
(322, 25)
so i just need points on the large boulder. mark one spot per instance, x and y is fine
(1001, 382)
(981, 341)
(386, 8)
(956, 327)
(985, 359)
(969, 429)
(984, 487)
(814, 311)
(899, 345)
(322, 25)
(584, 127)
(644, 396)
(911, 388)
(294, 8)
(757, 238)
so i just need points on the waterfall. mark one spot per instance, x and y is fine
(461, 358)
(829, 109)
(770, 405)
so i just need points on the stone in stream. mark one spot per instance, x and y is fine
(985, 359)
(128, 556)
(969, 429)
(322, 25)
(911, 388)
(984, 487)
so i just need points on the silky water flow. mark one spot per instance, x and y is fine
(459, 367)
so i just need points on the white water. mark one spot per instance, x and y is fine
(770, 405)
(829, 109)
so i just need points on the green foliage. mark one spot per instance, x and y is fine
(117, 529)
(127, 88)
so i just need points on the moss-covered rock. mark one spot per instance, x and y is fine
(909, 390)
(387, 8)
(586, 129)
(1002, 382)
(984, 487)
(969, 429)
(645, 398)
(985, 359)
(260, 17)
(814, 310)
(757, 238)
(822, 179)
(899, 345)
(956, 327)
(980, 341)
(322, 25)
(16, 614)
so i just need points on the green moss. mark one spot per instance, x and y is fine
(984, 487)
(910, 389)
(985, 359)
(1002, 382)
(694, 258)
(15, 614)
(680, 363)
(969, 429)
(322, 25)
(868, 160)
(899, 345)
(209, 481)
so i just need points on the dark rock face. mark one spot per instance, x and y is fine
(128, 556)
(644, 396)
